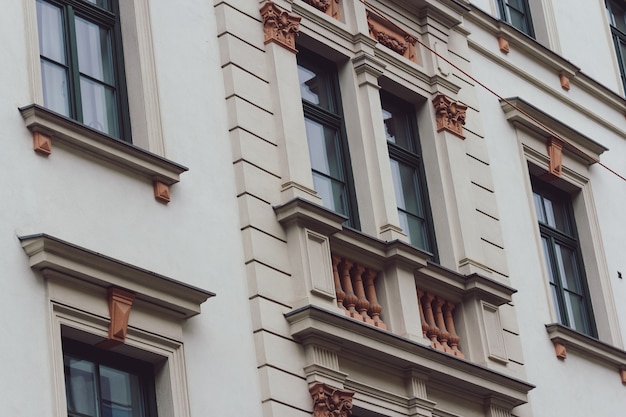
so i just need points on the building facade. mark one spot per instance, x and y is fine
(313, 207)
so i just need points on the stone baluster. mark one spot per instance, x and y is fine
(433, 330)
(362, 305)
(448, 308)
(339, 293)
(444, 336)
(420, 302)
(370, 291)
(346, 281)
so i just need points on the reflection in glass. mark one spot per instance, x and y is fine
(54, 83)
(81, 387)
(99, 110)
(50, 27)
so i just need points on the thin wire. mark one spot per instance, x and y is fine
(550, 130)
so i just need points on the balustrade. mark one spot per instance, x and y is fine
(356, 292)
(438, 322)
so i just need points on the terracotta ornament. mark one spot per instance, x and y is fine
(120, 303)
(42, 144)
(392, 37)
(450, 115)
(161, 192)
(279, 26)
(330, 7)
(329, 401)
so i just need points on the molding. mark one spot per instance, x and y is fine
(367, 343)
(579, 342)
(309, 215)
(329, 7)
(520, 112)
(71, 133)
(48, 253)
(392, 37)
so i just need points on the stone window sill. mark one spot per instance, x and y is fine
(50, 128)
(565, 339)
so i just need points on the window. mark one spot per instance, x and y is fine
(106, 384)
(517, 14)
(81, 63)
(326, 137)
(561, 249)
(617, 18)
(407, 171)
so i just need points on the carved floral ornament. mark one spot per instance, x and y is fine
(450, 115)
(392, 37)
(330, 402)
(279, 26)
(330, 7)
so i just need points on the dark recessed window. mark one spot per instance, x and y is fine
(328, 148)
(561, 249)
(517, 14)
(407, 171)
(101, 383)
(617, 18)
(82, 64)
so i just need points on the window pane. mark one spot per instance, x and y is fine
(54, 83)
(102, 3)
(549, 261)
(119, 392)
(415, 228)
(397, 127)
(406, 188)
(314, 87)
(568, 269)
(333, 193)
(50, 25)
(541, 216)
(323, 149)
(557, 303)
(618, 14)
(99, 108)
(93, 45)
(577, 312)
(81, 387)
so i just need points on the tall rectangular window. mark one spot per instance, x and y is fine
(328, 148)
(517, 14)
(407, 171)
(617, 18)
(101, 383)
(82, 63)
(563, 257)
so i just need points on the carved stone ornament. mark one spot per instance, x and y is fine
(161, 191)
(450, 115)
(564, 79)
(279, 26)
(392, 37)
(42, 144)
(330, 402)
(330, 7)
(120, 303)
(503, 44)
(555, 153)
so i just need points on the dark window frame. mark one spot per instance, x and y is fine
(567, 238)
(504, 9)
(143, 370)
(334, 119)
(108, 18)
(619, 42)
(412, 158)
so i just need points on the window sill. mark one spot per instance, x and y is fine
(64, 131)
(565, 338)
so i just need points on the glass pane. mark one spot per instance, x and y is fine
(333, 193)
(93, 44)
(54, 83)
(518, 20)
(539, 208)
(397, 126)
(324, 149)
(406, 188)
(50, 25)
(99, 108)
(314, 87)
(102, 3)
(81, 387)
(577, 312)
(557, 304)
(415, 228)
(119, 390)
(618, 14)
(546, 254)
(568, 269)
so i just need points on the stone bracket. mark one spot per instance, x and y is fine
(450, 115)
(280, 26)
(330, 401)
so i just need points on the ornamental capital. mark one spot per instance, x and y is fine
(450, 115)
(279, 26)
(330, 402)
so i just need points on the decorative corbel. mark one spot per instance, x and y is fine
(330, 7)
(503, 44)
(279, 26)
(622, 374)
(42, 144)
(555, 154)
(560, 350)
(564, 81)
(450, 115)
(120, 303)
(161, 191)
(329, 401)
(392, 37)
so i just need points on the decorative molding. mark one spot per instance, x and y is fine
(330, 7)
(555, 155)
(68, 132)
(564, 81)
(42, 144)
(329, 401)
(161, 192)
(279, 26)
(120, 303)
(560, 350)
(503, 44)
(392, 37)
(450, 115)
(49, 255)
